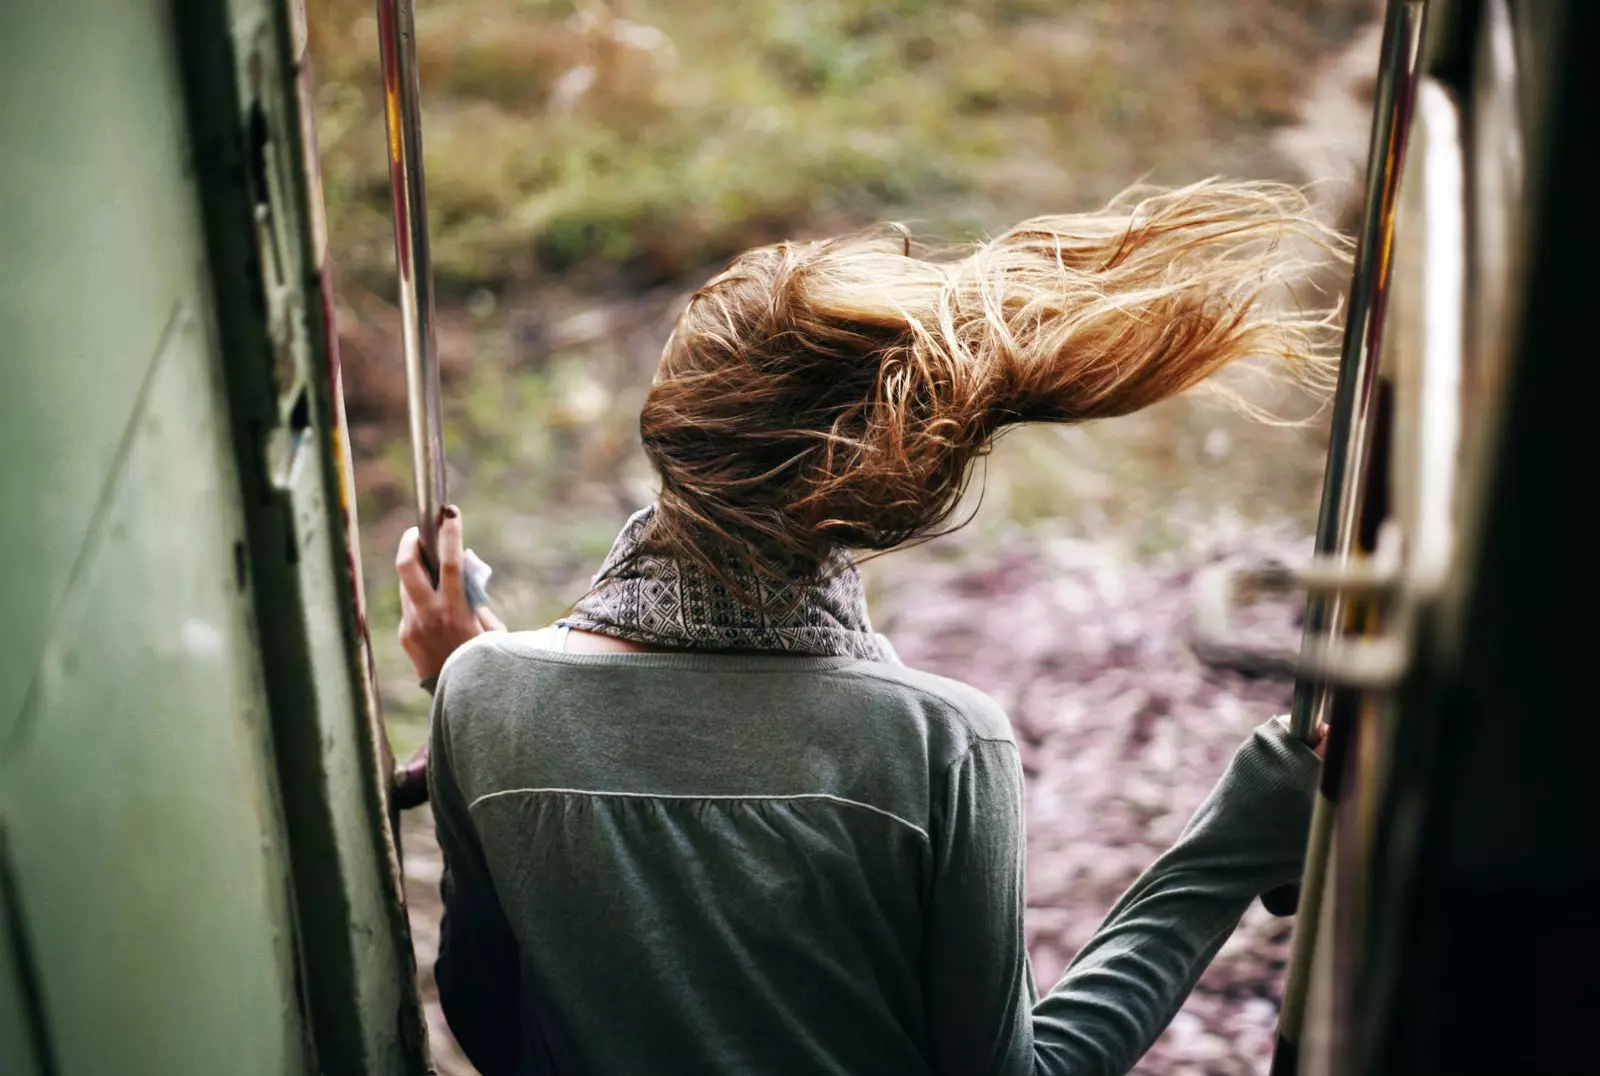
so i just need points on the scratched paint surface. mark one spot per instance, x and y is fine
(136, 788)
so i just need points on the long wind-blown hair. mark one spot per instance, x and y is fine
(817, 396)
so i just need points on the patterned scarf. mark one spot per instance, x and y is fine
(661, 601)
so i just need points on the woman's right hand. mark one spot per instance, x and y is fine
(434, 623)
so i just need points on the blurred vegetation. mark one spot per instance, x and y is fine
(654, 136)
(588, 163)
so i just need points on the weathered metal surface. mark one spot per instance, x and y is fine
(137, 793)
(200, 872)
(91, 211)
(414, 271)
(256, 173)
(143, 811)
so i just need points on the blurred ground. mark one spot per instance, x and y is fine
(588, 164)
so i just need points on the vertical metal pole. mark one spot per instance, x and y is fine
(403, 118)
(1351, 433)
(1355, 417)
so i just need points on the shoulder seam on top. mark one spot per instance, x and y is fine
(604, 793)
(972, 744)
(932, 696)
(950, 707)
(479, 640)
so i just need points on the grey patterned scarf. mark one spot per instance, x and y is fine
(661, 601)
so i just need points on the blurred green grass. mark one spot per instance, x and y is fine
(659, 135)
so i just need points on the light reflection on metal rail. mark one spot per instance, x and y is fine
(403, 118)
(1356, 396)
(1349, 459)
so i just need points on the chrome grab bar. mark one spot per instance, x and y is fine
(1346, 662)
(1356, 396)
(413, 264)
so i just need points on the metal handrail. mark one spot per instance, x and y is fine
(1355, 398)
(1349, 460)
(413, 265)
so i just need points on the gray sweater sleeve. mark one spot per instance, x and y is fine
(1126, 984)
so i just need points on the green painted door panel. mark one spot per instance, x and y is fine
(142, 814)
(98, 241)
(147, 862)
(197, 858)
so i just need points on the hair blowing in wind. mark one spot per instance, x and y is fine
(835, 394)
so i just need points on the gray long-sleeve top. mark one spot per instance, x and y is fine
(691, 863)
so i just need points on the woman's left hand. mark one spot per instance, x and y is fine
(434, 623)
(1319, 735)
